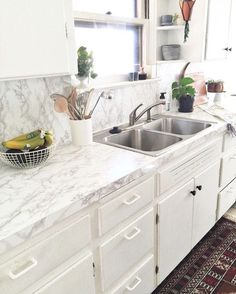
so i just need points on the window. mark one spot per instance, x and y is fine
(116, 42)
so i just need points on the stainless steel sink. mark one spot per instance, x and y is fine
(177, 126)
(143, 140)
(153, 138)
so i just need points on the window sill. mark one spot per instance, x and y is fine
(127, 84)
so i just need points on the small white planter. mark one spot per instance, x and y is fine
(81, 132)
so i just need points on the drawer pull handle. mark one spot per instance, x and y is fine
(132, 200)
(133, 234)
(193, 193)
(23, 270)
(138, 281)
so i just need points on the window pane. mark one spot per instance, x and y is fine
(125, 8)
(115, 47)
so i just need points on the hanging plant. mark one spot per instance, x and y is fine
(186, 7)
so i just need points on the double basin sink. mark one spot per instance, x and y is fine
(154, 137)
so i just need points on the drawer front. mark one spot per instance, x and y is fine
(226, 199)
(229, 143)
(139, 282)
(76, 279)
(182, 171)
(228, 169)
(125, 249)
(36, 262)
(124, 206)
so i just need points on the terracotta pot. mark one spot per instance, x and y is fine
(216, 87)
(186, 103)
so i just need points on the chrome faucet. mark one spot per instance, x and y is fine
(133, 117)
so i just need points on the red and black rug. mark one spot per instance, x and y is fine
(209, 268)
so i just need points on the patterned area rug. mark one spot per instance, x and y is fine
(209, 268)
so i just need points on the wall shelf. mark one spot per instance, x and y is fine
(170, 28)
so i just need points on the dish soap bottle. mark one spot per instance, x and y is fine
(162, 99)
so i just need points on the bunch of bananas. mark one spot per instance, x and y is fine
(30, 141)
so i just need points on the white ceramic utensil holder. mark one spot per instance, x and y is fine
(81, 132)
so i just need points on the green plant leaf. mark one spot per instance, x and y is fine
(175, 94)
(190, 90)
(175, 85)
(186, 81)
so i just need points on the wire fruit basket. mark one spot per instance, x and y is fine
(27, 159)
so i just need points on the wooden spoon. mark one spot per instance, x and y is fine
(61, 106)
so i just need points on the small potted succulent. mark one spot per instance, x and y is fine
(184, 92)
(215, 86)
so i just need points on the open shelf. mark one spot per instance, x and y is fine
(169, 28)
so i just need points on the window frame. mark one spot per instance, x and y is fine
(139, 21)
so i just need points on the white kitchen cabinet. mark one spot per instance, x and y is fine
(192, 50)
(174, 229)
(34, 263)
(205, 202)
(122, 251)
(228, 168)
(140, 281)
(227, 195)
(220, 36)
(37, 38)
(185, 216)
(226, 199)
(127, 204)
(75, 280)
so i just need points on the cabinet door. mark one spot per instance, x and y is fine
(174, 229)
(34, 38)
(74, 280)
(205, 202)
(218, 29)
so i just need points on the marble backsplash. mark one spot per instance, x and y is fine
(26, 105)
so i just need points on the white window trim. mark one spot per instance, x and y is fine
(135, 21)
(104, 18)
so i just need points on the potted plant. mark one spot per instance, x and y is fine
(85, 64)
(184, 92)
(215, 86)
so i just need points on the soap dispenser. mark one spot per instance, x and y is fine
(162, 99)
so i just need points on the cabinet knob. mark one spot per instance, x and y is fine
(193, 193)
(230, 49)
(226, 49)
(199, 187)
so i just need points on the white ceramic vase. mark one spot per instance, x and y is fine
(83, 84)
(81, 132)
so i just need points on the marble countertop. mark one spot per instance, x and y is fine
(33, 200)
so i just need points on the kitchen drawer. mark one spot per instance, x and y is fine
(125, 249)
(229, 143)
(124, 206)
(142, 281)
(228, 169)
(226, 199)
(36, 262)
(74, 280)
